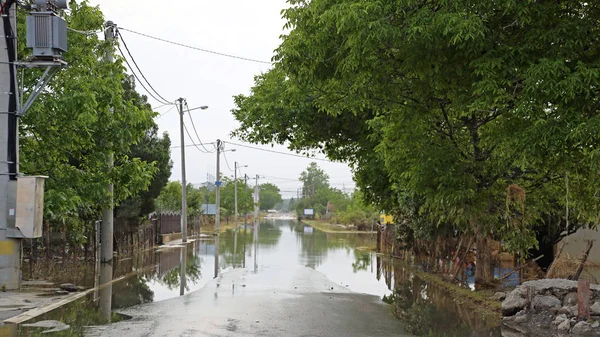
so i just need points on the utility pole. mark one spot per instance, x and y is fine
(235, 166)
(108, 213)
(256, 224)
(245, 214)
(183, 182)
(218, 189)
(21, 221)
(10, 248)
(256, 199)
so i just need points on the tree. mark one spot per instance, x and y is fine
(313, 179)
(80, 119)
(152, 149)
(169, 199)
(474, 112)
(269, 196)
(245, 199)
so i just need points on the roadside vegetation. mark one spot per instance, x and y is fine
(462, 119)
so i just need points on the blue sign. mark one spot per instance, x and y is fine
(217, 183)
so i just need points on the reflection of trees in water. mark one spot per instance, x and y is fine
(317, 244)
(131, 291)
(172, 278)
(78, 315)
(363, 260)
(269, 234)
(429, 310)
(268, 237)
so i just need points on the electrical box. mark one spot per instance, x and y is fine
(30, 206)
(46, 34)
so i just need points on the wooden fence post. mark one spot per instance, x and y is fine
(583, 300)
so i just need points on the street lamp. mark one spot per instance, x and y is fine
(183, 181)
(220, 149)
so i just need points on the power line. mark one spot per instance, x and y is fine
(190, 136)
(137, 78)
(138, 68)
(281, 153)
(195, 48)
(226, 161)
(194, 126)
(192, 145)
(166, 112)
(85, 32)
(163, 105)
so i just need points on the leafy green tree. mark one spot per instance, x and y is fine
(245, 200)
(153, 149)
(269, 196)
(169, 199)
(82, 117)
(313, 179)
(456, 108)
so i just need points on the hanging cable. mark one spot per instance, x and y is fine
(138, 79)
(166, 112)
(12, 120)
(138, 68)
(84, 32)
(226, 161)
(194, 127)
(193, 143)
(281, 153)
(196, 48)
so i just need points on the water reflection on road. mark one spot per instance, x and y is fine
(173, 271)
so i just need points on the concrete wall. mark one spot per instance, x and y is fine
(10, 260)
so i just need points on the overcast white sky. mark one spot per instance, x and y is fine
(240, 27)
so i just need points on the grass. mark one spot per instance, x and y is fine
(329, 228)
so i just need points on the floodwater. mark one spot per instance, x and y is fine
(151, 276)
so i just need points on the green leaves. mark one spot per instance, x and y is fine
(83, 116)
(438, 106)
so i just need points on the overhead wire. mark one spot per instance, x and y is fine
(137, 78)
(138, 68)
(193, 144)
(85, 32)
(166, 112)
(196, 131)
(196, 48)
(190, 136)
(163, 105)
(226, 161)
(281, 153)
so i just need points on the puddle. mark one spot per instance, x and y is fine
(170, 272)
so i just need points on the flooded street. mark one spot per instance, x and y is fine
(286, 278)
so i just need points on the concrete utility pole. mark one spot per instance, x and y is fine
(183, 182)
(218, 189)
(108, 213)
(235, 166)
(10, 248)
(256, 199)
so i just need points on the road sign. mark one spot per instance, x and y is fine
(217, 183)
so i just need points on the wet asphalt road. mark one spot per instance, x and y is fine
(283, 301)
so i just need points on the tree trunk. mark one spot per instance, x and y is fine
(48, 251)
(484, 270)
(64, 240)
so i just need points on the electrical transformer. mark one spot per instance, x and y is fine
(46, 34)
